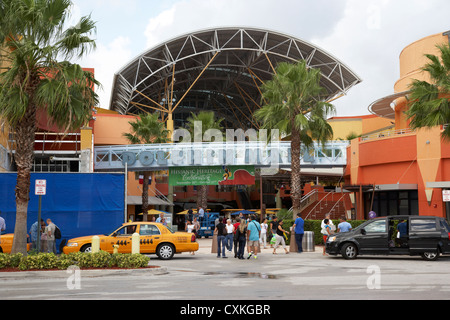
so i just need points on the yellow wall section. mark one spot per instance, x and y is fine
(429, 153)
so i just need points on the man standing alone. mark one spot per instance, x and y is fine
(299, 231)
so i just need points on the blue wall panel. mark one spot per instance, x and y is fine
(79, 204)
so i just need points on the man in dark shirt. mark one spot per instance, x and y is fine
(221, 233)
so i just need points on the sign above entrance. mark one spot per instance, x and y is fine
(212, 176)
(275, 155)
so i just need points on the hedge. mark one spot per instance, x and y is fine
(45, 261)
(314, 225)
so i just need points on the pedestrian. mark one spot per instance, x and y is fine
(196, 227)
(2, 224)
(230, 234)
(201, 213)
(279, 235)
(344, 226)
(235, 237)
(35, 228)
(51, 241)
(190, 227)
(221, 233)
(241, 235)
(263, 237)
(253, 232)
(298, 228)
(326, 232)
(43, 237)
(332, 226)
(273, 227)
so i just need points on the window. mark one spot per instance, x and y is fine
(445, 226)
(423, 225)
(148, 230)
(376, 226)
(127, 230)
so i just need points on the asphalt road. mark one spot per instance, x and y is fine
(269, 278)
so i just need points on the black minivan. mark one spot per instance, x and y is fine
(427, 236)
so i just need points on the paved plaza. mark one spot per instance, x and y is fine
(271, 277)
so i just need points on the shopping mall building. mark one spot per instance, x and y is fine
(388, 169)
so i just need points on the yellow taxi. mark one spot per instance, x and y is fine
(154, 238)
(6, 242)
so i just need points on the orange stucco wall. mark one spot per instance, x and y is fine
(412, 60)
(108, 129)
(406, 157)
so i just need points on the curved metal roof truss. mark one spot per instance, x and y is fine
(219, 69)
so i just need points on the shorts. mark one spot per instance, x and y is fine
(325, 237)
(252, 243)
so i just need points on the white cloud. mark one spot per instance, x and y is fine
(286, 16)
(367, 36)
(106, 60)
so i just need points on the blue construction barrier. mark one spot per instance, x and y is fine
(80, 204)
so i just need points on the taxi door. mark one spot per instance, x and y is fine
(121, 237)
(150, 237)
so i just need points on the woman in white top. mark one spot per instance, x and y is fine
(230, 234)
(263, 234)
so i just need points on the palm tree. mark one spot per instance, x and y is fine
(147, 130)
(208, 121)
(33, 42)
(294, 105)
(429, 101)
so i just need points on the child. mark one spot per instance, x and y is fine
(326, 231)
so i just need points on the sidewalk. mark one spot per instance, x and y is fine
(205, 246)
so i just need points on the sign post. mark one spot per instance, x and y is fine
(39, 190)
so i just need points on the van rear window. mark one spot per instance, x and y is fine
(423, 224)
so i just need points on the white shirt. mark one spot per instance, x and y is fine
(264, 227)
(230, 228)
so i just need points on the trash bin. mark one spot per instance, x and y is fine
(308, 241)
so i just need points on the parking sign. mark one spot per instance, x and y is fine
(40, 187)
(446, 195)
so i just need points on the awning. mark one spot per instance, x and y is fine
(153, 201)
(439, 185)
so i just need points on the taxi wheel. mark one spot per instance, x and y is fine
(86, 248)
(165, 251)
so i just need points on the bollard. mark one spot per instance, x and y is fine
(135, 245)
(116, 248)
(95, 244)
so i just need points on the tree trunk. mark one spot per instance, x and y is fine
(145, 196)
(25, 137)
(202, 197)
(296, 187)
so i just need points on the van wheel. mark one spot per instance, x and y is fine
(430, 256)
(349, 251)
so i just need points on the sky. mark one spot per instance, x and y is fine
(366, 35)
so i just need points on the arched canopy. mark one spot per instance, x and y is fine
(221, 70)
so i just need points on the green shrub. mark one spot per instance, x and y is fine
(101, 259)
